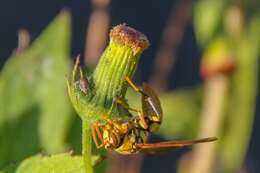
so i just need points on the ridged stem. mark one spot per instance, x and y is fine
(117, 62)
(86, 147)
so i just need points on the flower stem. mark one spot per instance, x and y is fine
(212, 117)
(86, 147)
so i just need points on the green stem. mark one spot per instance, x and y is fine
(242, 106)
(211, 123)
(86, 147)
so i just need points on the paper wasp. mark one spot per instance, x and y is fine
(129, 136)
(125, 138)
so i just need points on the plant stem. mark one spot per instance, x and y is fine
(96, 35)
(172, 36)
(242, 105)
(86, 147)
(216, 64)
(212, 115)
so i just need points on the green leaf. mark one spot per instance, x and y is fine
(181, 113)
(59, 163)
(34, 108)
(19, 112)
(52, 98)
(10, 169)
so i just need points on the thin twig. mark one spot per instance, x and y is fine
(97, 31)
(23, 40)
(203, 159)
(171, 39)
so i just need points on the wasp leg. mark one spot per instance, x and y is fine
(143, 123)
(107, 119)
(120, 126)
(125, 105)
(140, 113)
(134, 86)
(111, 109)
(96, 133)
(94, 136)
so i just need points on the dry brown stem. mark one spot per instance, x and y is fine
(203, 159)
(23, 40)
(171, 38)
(97, 31)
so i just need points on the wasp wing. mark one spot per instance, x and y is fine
(152, 104)
(171, 145)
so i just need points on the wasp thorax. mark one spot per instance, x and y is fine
(111, 139)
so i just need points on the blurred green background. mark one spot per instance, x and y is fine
(203, 61)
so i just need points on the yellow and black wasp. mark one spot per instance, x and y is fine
(129, 136)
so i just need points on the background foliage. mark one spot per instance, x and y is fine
(36, 116)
